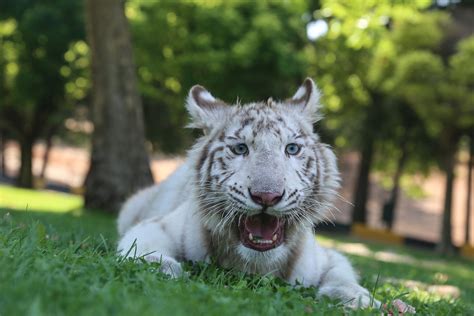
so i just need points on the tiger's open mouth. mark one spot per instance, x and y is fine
(261, 232)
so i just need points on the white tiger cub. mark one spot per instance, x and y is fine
(248, 195)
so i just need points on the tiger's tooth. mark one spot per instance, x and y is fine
(250, 236)
(275, 237)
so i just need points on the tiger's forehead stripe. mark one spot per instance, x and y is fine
(261, 117)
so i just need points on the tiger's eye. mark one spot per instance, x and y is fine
(292, 149)
(240, 149)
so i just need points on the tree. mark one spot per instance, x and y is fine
(404, 136)
(443, 96)
(405, 139)
(356, 104)
(417, 68)
(33, 90)
(119, 162)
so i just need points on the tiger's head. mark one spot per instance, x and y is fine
(262, 173)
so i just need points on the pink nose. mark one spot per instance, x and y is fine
(266, 198)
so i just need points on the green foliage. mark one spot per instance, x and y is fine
(348, 65)
(460, 89)
(461, 63)
(34, 38)
(76, 72)
(355, 65)
(419, 31)
(417, 79)
(441, 94)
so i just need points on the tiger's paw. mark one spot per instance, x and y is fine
(398, 307)
(168, 265)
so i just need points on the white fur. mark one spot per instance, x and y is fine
(299, 93)
(204, 117)
(207, 96)
(312, 106)
(166, 223)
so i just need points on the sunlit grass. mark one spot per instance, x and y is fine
(31, 200)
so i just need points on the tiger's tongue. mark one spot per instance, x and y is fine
(263, 226)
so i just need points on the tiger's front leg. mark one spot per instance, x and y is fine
(331, 273)
(153, 242)
(334, 277)
(167, 240)
(339, 281)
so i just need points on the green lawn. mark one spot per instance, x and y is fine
(54, 263)
(46, 201)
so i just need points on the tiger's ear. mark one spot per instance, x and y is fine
(306, 99)
(205, 110)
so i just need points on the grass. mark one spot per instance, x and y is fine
(23, 199)
(65, 264)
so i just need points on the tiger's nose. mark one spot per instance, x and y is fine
(266, 198)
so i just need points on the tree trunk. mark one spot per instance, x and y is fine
(47, 150)
(2, 154)
(119, 161)
(359, 214)
(445, 245)
(390, 205)
(361, 193)
(470, 165)
(25, 177)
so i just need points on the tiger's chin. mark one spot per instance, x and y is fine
(261, 232)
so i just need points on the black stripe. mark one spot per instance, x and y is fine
(320, 168)
(247, 121)
(301, 177)
(310, 170)
(234, 189)
(203, 156)
(237, 132)
(309, 163)
(226, 178)
(211, 161)
(222, 163)
(292, 194)
(205, 152)
(237, 199)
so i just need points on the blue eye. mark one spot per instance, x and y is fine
(292, 149)
(240, 149)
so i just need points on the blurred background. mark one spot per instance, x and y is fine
(92, 98)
